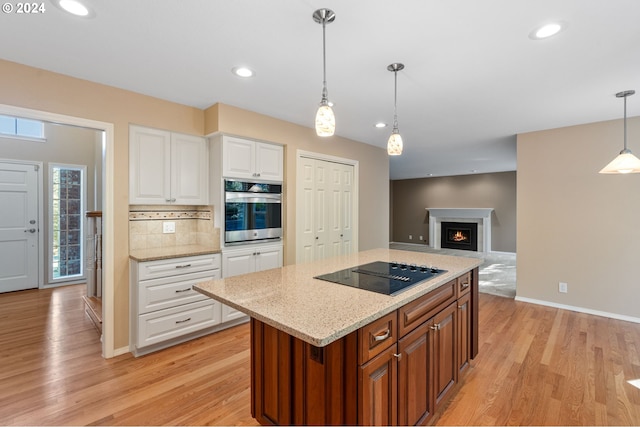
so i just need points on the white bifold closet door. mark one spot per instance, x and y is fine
(324, 213)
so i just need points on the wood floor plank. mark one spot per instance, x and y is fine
(537, 366)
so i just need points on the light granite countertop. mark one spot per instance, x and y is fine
(153, 254)
(320, 312)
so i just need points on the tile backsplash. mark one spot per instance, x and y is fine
(194, 226)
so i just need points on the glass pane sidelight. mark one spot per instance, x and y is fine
(67, 183)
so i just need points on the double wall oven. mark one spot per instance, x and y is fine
(253, 211)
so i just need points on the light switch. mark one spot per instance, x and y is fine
(169, 227)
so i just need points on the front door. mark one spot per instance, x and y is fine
(19, 228)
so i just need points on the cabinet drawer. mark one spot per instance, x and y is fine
(463, 284)
(174, 322)
(174, 266)
(158, 294)
(420, 310)
(377, 336)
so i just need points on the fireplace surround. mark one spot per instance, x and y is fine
(459, 235)
(479, 216)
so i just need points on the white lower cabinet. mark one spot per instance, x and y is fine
(163, 325)
(248, 259)
(165, 309)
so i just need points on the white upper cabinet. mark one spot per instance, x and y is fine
(246, 159)
(189, 170)
(167, 168)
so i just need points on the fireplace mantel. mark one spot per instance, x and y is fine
(481, 216)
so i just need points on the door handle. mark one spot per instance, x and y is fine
(31, 230)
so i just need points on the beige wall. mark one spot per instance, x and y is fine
(575, 225)
(37, 89)
(411, 197)
(66, 145)
(373, 203)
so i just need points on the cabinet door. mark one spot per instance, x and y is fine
(149, 166)
(238, 158)
(444, 351)
(269, 162)
(378, 390)
(189, 170)
(267, 258)
(237, 262)
(464, 332)
(415, 377)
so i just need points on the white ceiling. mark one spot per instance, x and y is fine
(473, 77)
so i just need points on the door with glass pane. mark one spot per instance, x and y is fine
(66, 211)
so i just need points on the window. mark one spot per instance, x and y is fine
(21, 128)
(67, 205)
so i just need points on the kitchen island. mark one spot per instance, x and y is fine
(324, 353)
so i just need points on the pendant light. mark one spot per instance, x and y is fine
(325, 119)
(394, 145)
(625, 162)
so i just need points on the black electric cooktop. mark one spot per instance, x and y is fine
(387, 278)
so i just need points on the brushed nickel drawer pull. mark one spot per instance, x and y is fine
(397, 356)
(183, 321)
(465, 285)
(383, 336)
(182, 290)
(436, 327)
(183, 266)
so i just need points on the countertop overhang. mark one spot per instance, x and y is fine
(320, 312)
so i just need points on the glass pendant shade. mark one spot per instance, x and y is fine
(626, 162)
(394, 145)
(325, 121)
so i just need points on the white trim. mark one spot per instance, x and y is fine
(579, 309)
(108, 295)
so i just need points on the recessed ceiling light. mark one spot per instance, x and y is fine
(243, 71)
(547, 30)
(75, 7)
(380, 125)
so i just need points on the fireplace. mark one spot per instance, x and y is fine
(480, 216)
(459, 235)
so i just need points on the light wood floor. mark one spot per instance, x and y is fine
(537, 365)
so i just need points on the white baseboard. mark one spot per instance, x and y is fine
(120, 351)
(580, 309)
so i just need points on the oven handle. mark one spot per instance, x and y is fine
(253, 198)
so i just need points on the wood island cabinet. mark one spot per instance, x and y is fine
(397, 370)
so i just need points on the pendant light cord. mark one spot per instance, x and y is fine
(324, 62)
(625, 123)
(395, 100)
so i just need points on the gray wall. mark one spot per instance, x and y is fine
(411, 197)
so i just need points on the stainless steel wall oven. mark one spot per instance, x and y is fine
(253, 211)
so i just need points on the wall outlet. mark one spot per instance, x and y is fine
(410, 236)
(169, 227)
(421, 239)
(562, 287)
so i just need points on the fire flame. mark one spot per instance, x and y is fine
(458, 237)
